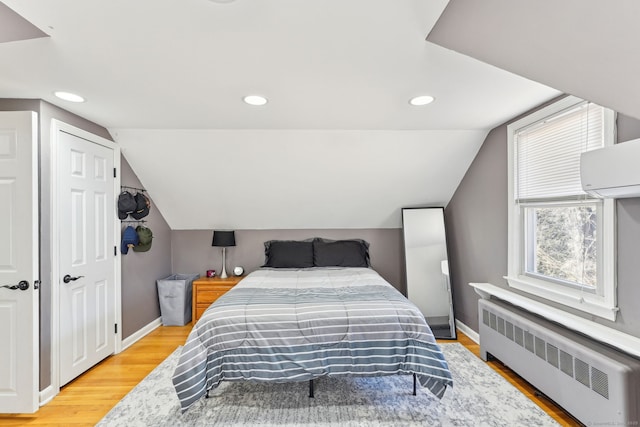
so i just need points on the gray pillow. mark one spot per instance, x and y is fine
(288, 254)
(340, 253)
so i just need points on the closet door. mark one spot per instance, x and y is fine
(87, 259)
(427, 268)
(19, 261)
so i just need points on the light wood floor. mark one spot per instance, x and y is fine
(88, 398)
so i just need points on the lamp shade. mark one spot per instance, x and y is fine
(224, 238)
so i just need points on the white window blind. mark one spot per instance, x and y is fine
(548, 153)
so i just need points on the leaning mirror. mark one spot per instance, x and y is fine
(427, 268)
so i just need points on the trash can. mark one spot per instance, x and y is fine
(174, 294)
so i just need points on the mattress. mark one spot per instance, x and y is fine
(301, 324)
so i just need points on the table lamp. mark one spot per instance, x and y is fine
(224, 239)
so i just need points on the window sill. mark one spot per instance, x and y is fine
(585, 302)
(625, 342)
(620, 340)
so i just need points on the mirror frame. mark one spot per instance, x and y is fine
(452, 331)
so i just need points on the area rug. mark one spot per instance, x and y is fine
(480, 397)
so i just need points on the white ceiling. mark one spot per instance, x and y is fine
(167, 79)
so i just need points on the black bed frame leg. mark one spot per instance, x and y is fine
(414, 384)
(206, 396)
(311, 388)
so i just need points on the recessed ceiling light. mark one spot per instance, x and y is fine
(255, 100)
(68, 96)
(421, 100)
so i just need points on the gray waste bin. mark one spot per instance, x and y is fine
(174, 293)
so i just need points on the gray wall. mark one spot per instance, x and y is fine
(476, 219)
(140, 270)
(193, 253)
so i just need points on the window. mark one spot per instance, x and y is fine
(561, 240)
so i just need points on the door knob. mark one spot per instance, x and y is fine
(23, 285)
(67, 278)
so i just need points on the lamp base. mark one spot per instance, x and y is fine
(223, 274)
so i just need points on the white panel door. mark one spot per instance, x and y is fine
(19, 339)
(86, 257)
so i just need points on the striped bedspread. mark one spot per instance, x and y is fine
(297, 325)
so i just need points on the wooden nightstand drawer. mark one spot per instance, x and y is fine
(205, 296)
(206, 290)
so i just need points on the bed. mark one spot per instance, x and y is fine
(301, 323)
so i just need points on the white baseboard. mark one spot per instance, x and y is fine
(475, 337)
(47, 395)
(141, 333)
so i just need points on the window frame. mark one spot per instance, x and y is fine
(603, 302)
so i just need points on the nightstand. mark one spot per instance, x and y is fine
(208, 289)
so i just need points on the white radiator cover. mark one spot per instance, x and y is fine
(595, 383)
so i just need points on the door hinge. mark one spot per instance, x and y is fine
(116, 328)
(114, 173)
(115, 251)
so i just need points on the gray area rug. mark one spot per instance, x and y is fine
(480, 397)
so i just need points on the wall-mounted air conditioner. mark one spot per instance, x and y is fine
(612, 172)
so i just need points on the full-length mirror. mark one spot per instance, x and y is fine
(427, 268)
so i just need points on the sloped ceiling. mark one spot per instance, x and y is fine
(297, 178)
(337, 145)
(14, 27)
(587, 48)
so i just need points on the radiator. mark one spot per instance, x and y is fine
(595, 383)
